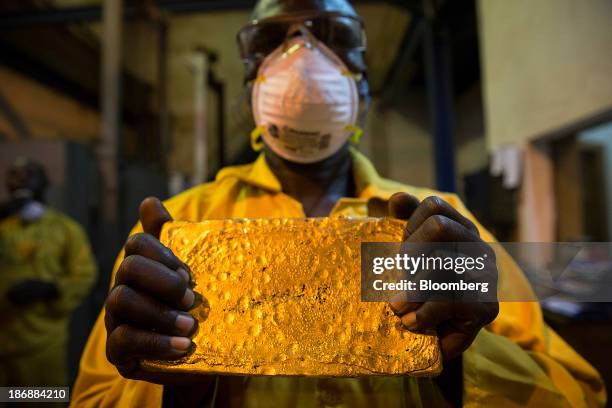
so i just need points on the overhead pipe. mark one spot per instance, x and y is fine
(438, 74)
(85, 14)
(107, 147)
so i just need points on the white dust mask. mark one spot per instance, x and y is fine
(32, 211)
(305, 102)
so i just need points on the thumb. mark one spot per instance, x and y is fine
(153, 215)
(402, 205)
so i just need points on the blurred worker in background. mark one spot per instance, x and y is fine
(46, 269)
(305, 65)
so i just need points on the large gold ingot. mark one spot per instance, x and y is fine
(283, 298)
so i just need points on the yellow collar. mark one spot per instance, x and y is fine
(257, 174)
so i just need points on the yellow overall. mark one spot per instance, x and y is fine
(517, 360)
(33, 338)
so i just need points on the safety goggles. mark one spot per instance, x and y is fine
(336, 30)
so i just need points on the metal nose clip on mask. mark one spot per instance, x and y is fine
(305, 101)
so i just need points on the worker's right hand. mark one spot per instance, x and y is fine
(147, 309)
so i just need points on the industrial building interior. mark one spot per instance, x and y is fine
(508, 104)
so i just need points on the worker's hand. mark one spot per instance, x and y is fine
(456, 323)
(147, 309)
(32, 291)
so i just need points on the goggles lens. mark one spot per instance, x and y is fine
(339, 32)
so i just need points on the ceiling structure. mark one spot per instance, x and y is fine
(56, 43)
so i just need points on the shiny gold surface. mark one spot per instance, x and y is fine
(284, 299)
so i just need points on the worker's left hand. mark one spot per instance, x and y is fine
(32, 291)
(456, 323)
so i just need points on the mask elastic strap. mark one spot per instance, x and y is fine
(357, 132)
(259, 79)
(256, 142)
(357, 76)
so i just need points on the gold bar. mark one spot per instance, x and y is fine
(284, 299)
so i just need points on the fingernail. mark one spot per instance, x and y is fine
(198, 300)
(409, 321)
(184, 323)
(183, 272)
(180, 343)
(188, 299)
(396, 307)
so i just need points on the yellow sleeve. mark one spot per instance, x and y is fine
(518, 360)
(79, 268)
(99, 384)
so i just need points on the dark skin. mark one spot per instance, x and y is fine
(26, 176)
(152, 288)
(317, 186)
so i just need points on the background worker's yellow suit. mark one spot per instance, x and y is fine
(33, 338)
(515, 361)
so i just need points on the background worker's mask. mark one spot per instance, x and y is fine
(32, 211)
(305, 101)
(28, 208)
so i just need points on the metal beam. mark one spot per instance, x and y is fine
(200, 65)
(218, 88)
(438, 74)
(410, 43)
(83, 14)
(107, 148)
(57, 58)
(50, 16)
(162, 93)
(33, 66)
(203, 6)
(14, 118)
